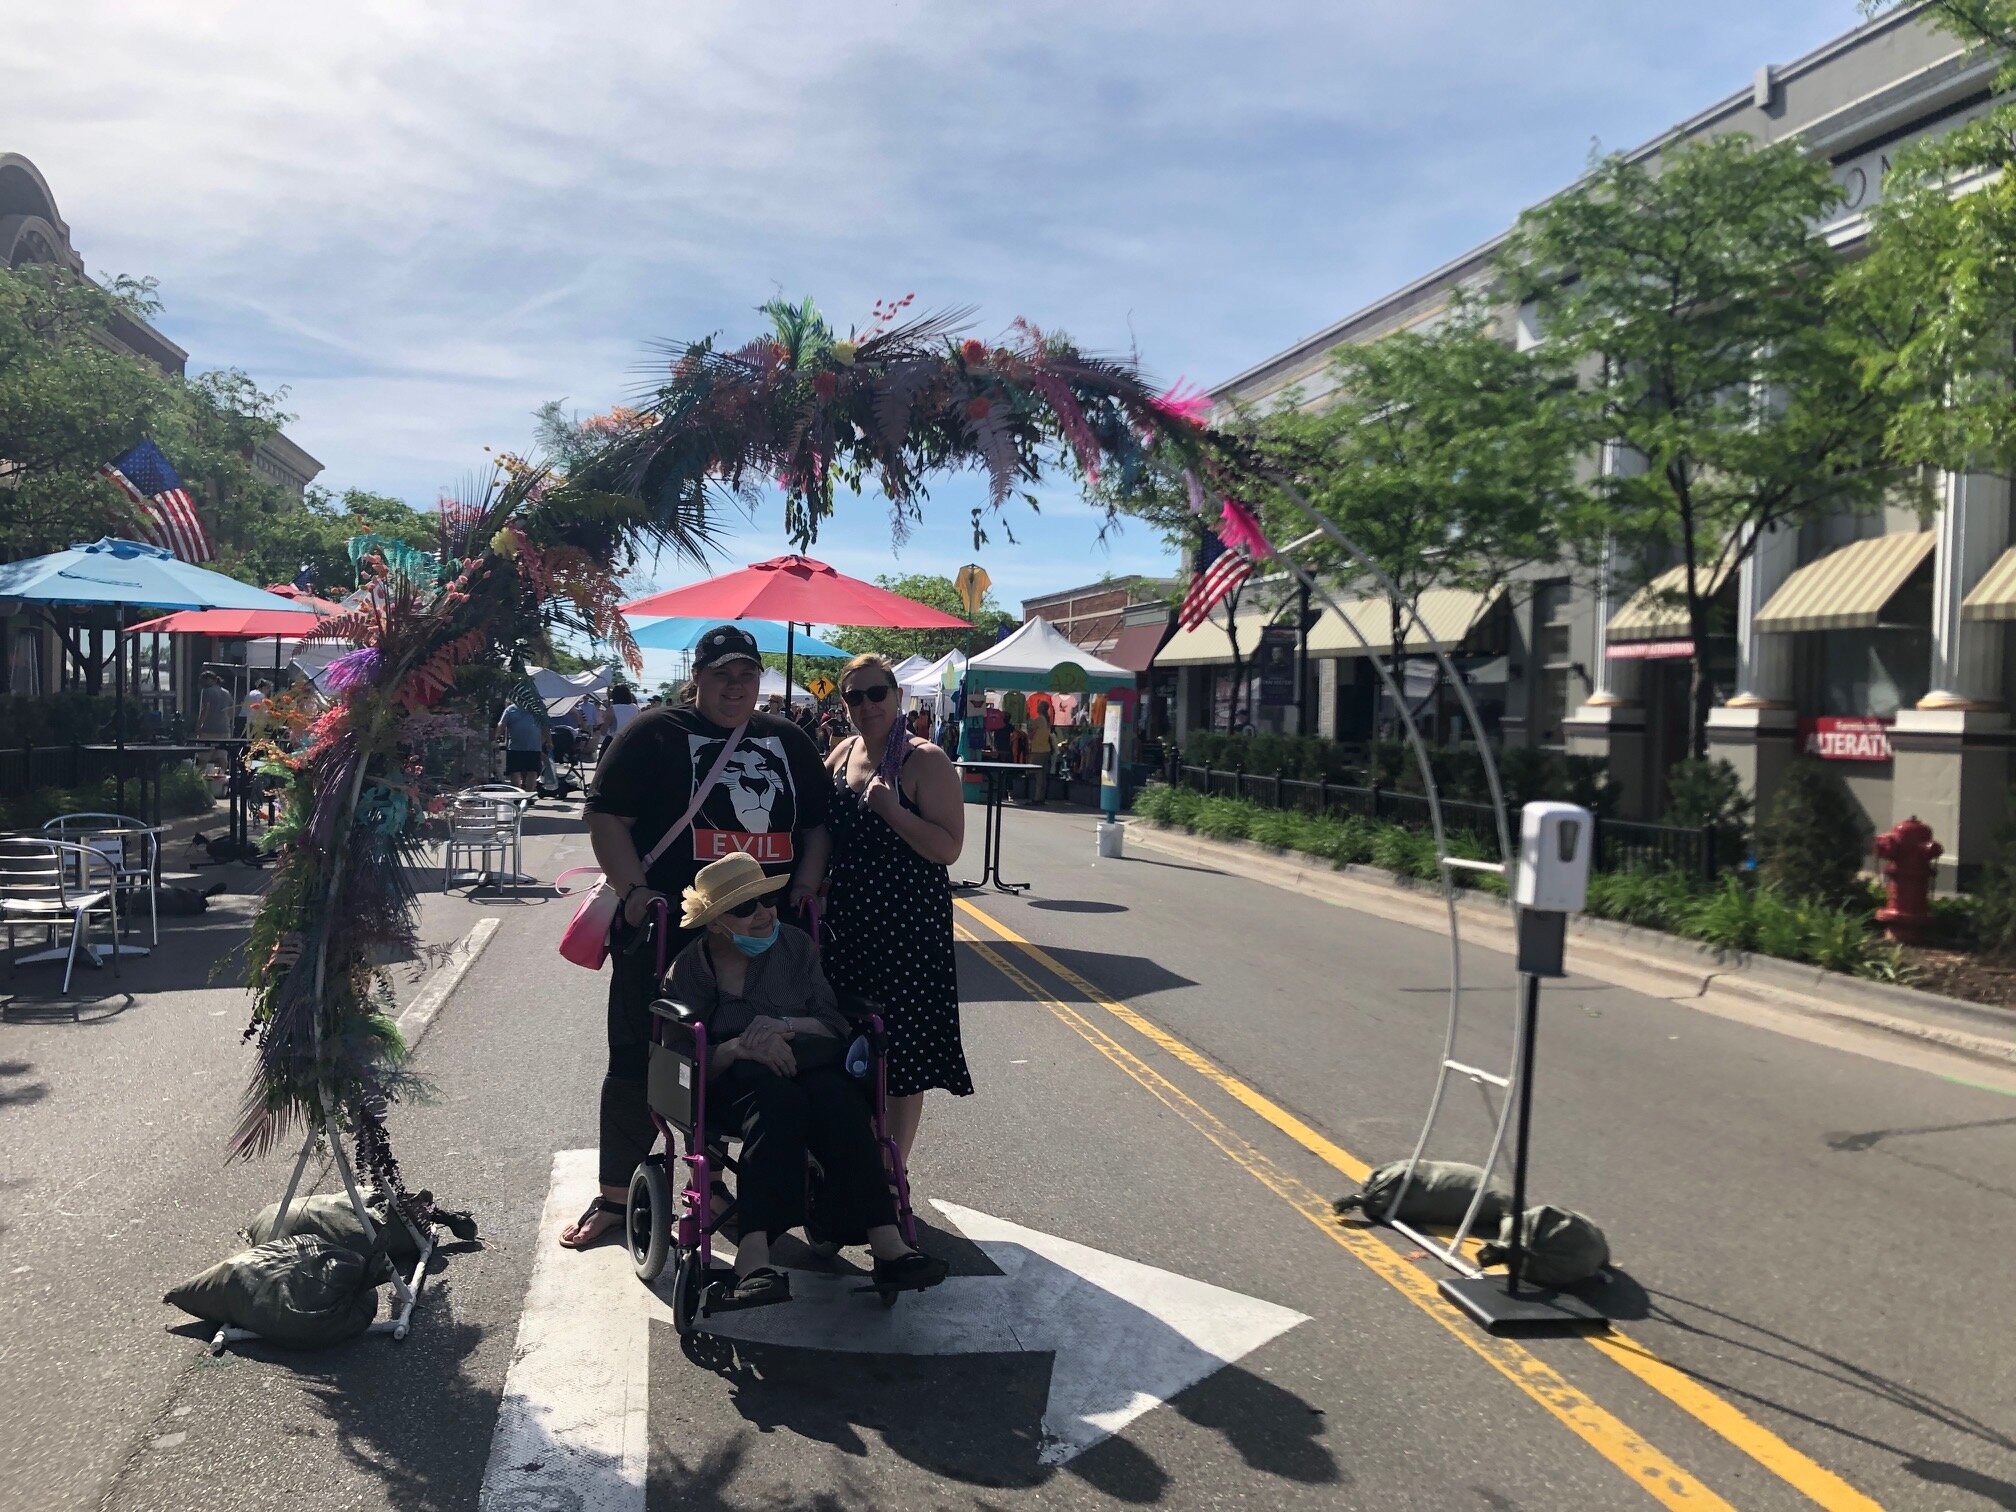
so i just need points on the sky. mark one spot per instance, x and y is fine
(424, 220)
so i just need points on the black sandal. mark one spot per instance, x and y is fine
(618, 1210)
(915, 1271)
(760, 1288)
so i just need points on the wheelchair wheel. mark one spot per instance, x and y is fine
(686, 1286)
(648, 1223)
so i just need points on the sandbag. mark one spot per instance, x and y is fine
(1440, 1193)
(330, 1216)
(1563, 1247)
(300, 1293)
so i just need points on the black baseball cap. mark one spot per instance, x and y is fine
(725, 643)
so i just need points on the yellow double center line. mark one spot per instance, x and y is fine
(1642, 1461)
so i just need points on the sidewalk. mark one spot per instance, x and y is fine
(1642, 959)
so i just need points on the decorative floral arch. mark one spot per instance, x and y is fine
(536, 551)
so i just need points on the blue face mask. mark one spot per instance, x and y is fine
(755, 945)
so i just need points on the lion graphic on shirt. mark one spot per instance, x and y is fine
(752, 806)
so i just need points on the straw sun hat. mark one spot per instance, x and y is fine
(724, 883)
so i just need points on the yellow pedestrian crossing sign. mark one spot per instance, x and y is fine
(821, 686)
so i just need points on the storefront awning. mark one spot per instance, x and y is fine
(1658, 611)
(1135, 646)
(1207, 646)
(1994, 597)
(1848, 588)
(1450, 614)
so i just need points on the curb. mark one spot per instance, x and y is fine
(1603, 949)
(420, 1013)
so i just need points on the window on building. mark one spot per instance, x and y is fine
(1553, 669)
(1873, 673)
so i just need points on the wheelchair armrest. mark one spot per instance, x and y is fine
(856, 1008)
(678, 1019)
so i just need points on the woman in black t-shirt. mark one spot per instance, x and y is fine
(770, 801)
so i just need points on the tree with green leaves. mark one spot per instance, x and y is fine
(1446, 455)
(938, 592)
(1936, 294)
(282, 537)
(69, 403)
(1695, 295)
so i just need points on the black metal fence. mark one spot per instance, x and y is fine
(1620, 844)
(52, 766)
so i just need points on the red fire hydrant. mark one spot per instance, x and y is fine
(1908, 852)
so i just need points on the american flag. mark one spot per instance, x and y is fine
(1218, 570)
(168, 517)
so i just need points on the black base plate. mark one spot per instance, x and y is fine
(1485, 1300)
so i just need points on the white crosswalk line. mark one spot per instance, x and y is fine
(571, 1429)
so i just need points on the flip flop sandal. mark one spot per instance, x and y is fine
(617, 1210)
(762, 1287)
(913, 1272)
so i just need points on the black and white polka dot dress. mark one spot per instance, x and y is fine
(888, 936)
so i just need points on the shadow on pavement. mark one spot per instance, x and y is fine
(1076, 905)
(1710, 1324)
(1119, 976)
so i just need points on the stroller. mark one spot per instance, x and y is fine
(561, 774)
(657, 1223)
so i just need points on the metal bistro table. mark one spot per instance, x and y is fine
(237, 846)
(996, 774)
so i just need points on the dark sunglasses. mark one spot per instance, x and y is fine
(743, 910)
(858, 696)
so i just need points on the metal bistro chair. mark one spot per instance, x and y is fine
(53, 884)
(480, 825)
(133, 848)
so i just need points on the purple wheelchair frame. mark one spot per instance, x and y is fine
(697, 1223)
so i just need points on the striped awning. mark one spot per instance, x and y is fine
(1450, 614)
(1848, 588)
(1994, 597)
(1658, 611)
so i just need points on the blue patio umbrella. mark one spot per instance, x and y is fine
(770, 636)
(123, 575)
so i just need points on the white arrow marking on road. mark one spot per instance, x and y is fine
(1126, 1337)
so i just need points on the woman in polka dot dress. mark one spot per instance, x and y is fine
(898, 821)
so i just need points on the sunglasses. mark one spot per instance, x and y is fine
(858, 696)
(743, 910)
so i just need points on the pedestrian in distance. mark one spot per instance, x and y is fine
(899, 821)
(768, 799)
(524, 740)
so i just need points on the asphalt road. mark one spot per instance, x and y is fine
(1176, 1069)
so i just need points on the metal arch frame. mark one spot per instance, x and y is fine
(1451, 1252)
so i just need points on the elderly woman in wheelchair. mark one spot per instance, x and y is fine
(751, 1040)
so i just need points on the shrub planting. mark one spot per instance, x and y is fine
(1816, 837)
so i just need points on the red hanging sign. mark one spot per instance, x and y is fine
(1840, 737)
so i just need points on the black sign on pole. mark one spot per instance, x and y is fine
(1275, 661)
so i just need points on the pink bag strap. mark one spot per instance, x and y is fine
(699, 796)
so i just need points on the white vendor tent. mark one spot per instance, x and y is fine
(1030, 658)
(772, 686)
(554, 686)
(930, 681)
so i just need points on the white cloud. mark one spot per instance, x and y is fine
(427, 218)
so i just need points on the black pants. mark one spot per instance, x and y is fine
(627, 1130)
(822, 1111)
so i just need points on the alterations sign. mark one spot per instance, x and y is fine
(1837, 737)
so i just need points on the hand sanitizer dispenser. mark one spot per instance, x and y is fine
(1555, 840)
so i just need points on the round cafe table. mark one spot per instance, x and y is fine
(996, 775)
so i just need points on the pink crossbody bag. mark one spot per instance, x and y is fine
(585, 941)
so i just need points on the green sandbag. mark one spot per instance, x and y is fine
(1440, 1193)
(1563, 1247)
(299, 1293)
(330, 1216)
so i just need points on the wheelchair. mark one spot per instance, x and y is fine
(662, 1226)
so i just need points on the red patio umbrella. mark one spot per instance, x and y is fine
(247, 624)
(796, 590)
